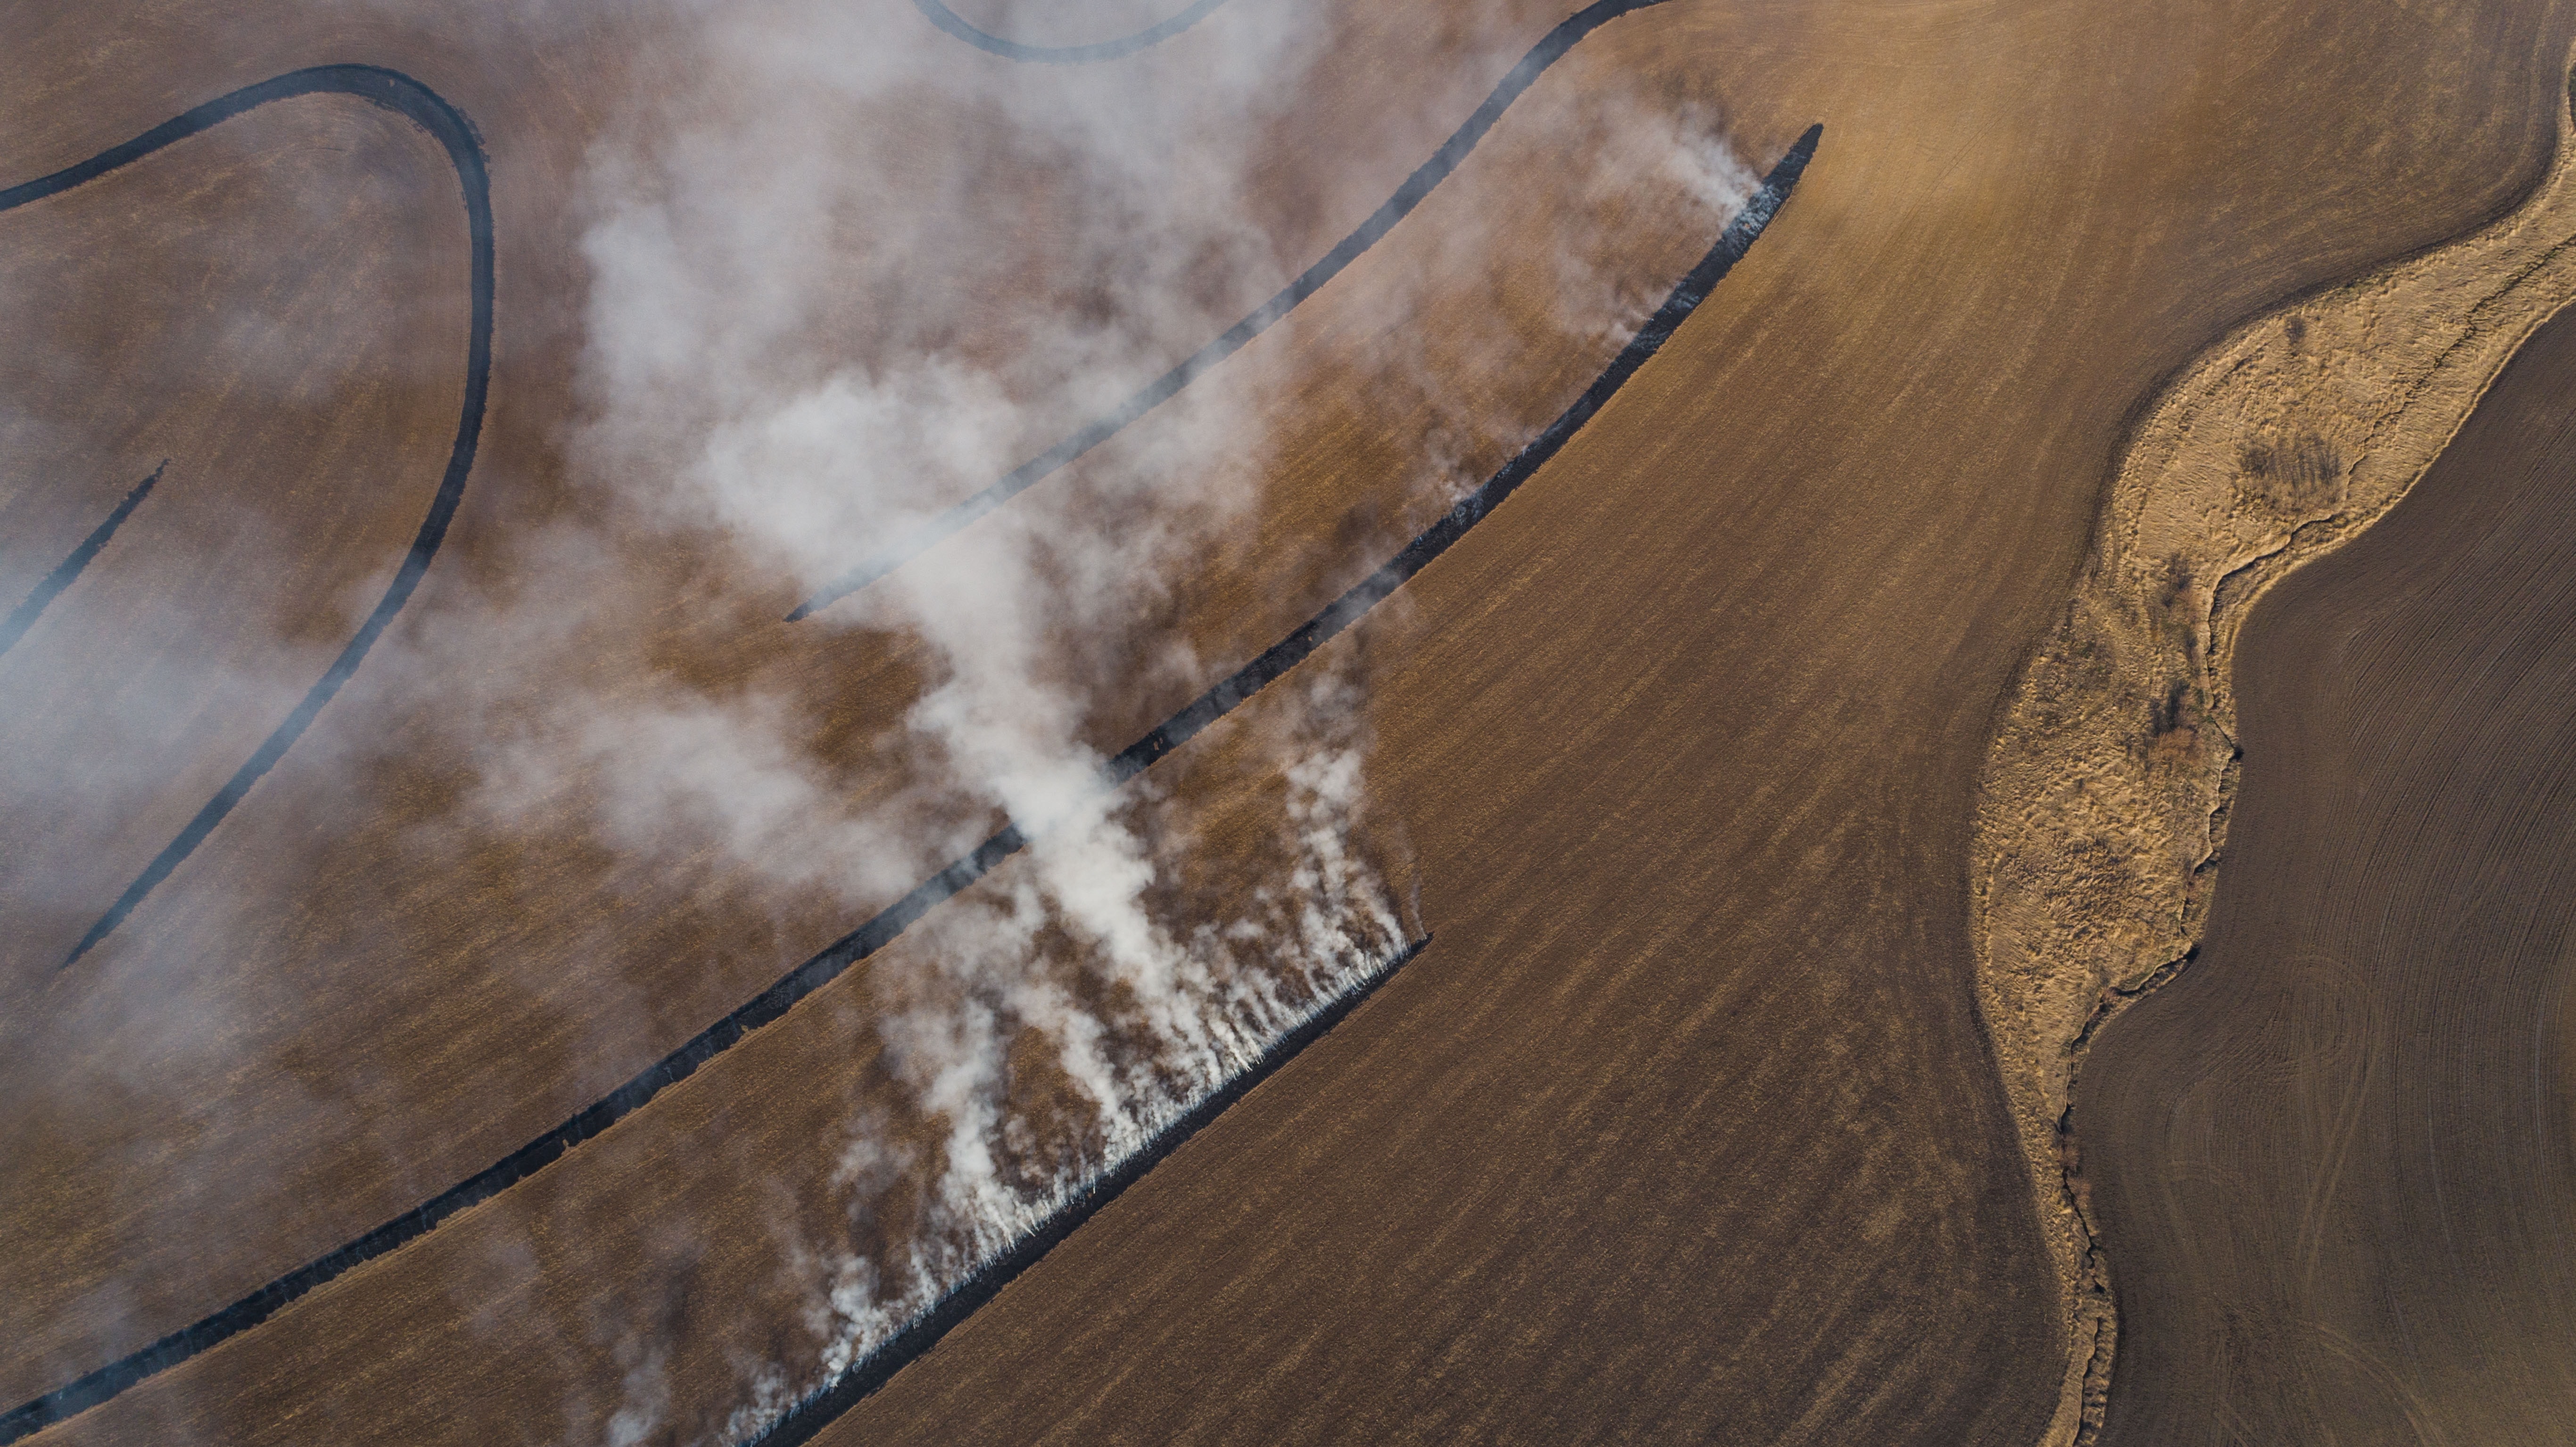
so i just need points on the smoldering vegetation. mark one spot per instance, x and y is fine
(1034, 1038)
(845, 275)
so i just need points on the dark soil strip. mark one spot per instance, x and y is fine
(446, 124)
(868, 938)
(878, 1367)
(23, 617)
(1152, 35)
(1407, 196)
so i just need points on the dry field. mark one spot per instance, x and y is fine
(1686, 1125)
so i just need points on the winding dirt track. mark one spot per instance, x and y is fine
(1685, 1129)
(2334, 1159)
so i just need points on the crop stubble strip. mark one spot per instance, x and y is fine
(108, 1381)
(917, 539)
(447, 125)
(66, 573)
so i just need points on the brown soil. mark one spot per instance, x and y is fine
(1685, 1126)
(2332, 1158)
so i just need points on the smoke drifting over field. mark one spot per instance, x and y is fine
(816, 321)
(773, 358)
(843, 272)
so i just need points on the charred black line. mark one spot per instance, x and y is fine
(23, 617)
(866, 1375)
(1429, 174)
(1152, 35)
(428, 110)
(831, 962)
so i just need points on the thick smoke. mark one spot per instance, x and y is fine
(845, 271)
(813, 324)
(1053, 1025)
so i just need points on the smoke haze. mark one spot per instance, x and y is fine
(847, 274)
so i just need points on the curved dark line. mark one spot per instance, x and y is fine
(1429, 174)
(23, 617)
(863, 1377)
(1126, 45)
(426, 109)
(876, 933)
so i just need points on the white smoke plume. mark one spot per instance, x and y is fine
(844, 272)
(809, 329)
